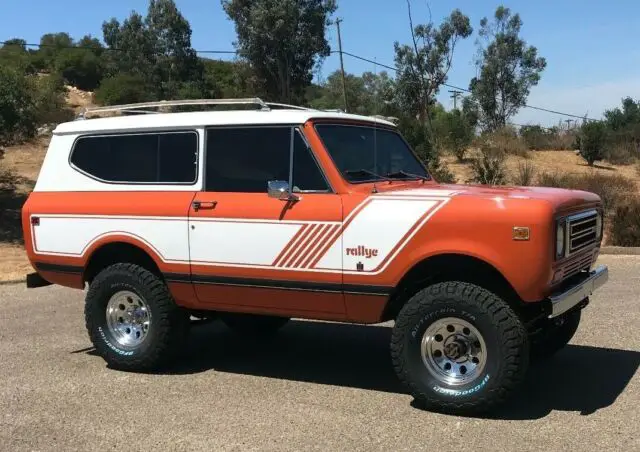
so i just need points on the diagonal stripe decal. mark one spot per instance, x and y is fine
(290, 245)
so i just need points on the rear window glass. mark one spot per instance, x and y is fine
(151, 158)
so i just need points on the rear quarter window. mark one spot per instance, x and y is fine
(149, 158)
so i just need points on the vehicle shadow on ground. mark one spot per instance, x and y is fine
(579, 378)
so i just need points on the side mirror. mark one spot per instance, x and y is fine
(280, 189)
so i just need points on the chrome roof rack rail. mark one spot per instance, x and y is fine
(140, 107)
(288, 106)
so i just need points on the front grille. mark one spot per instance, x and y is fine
(575, 267)
(582, 230)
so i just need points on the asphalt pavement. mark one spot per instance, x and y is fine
(317, 386)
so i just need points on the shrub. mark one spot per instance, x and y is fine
(441, 173)
(506, 141)
(490, 168)
(18, 108)
(620, 153)
(454, 132)
(593, 137)
(625, 227)
(612, 188)
(526, 172)
(557, 180)
(123, 89)
(49, 99)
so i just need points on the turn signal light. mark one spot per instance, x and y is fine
(520, 233)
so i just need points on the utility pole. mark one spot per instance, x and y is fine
(568, 121)
(454, 95)
(344, 83)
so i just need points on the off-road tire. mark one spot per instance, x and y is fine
(167, 331)
(506, 341)
(555, 335)
(253, 325)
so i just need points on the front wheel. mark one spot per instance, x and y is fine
(459, 348)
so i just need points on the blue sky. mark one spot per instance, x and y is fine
(593, 59)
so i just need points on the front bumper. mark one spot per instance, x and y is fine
(572, 295)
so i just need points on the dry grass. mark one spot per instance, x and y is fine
(13, 262)
(544, 162)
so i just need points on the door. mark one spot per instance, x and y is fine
(253, 252)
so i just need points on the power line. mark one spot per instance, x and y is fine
(467, 90)
(235, 52)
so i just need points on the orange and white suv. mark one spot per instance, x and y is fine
(255, 216)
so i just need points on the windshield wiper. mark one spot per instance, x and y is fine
(399, 174)
(365, 172)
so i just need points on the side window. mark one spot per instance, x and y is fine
(244, 159)
(154, 158)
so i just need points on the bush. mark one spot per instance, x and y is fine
(18, 108)
(526, 172)
(441, 173)
(490, 168)
(454, 132)
(625, 227)
(557, 180)
(123, 89)
(49, 97)
(612, 188)
(554, 138)
(620, 153)
(506, 141)
(593, 137)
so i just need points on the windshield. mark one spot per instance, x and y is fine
(365, 154)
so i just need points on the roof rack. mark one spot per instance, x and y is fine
(141, 108)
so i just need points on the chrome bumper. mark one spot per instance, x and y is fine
(573, 295)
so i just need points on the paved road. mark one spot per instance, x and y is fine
(318, 386)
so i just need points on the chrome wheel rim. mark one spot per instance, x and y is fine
(128, 318)
(453, 351)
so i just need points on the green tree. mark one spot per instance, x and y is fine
(14, 54)
(155, 50)
(424, 65)
(81, 66)
(508, 69)
(454, 132)
(124, 89)
(592, 137)
(283, 41)
(18, 108)
(228, 79)
(51, 45)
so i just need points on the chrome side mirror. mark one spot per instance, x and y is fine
(280, 189)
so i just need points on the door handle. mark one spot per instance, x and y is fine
(207, 205)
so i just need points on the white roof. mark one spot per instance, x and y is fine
(205, 118)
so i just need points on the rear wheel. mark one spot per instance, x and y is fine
(459, 348)
(254, 325)
(132, 319)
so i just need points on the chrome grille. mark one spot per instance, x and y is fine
(580, 264)
(582, 230)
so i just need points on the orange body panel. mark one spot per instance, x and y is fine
(476, 221)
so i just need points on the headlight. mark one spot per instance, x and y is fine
(560, 235)
(599, 226)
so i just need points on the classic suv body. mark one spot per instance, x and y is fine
(255, 217)
(338, 254)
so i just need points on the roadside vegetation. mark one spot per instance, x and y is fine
(149, 56)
